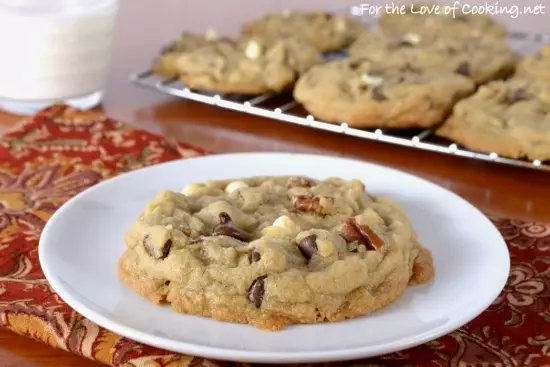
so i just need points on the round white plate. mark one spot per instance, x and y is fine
(81, 243)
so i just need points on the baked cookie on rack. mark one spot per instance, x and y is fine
(326, 32)
(536, 66)
(274, 251)
(370, 94)
(480, 58)
(444, 21)
(243, 65)
(510, 118)
(165, 64)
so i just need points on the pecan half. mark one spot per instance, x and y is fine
(312, 204)
(228, 228)
(354, 232)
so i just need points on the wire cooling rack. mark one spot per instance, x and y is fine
(284, 109)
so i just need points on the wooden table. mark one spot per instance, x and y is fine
(498, 190)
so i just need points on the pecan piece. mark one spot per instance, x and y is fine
(354, 232)
(228, 228)
(300, 182)
(312, 204)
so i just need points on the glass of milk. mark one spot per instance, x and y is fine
(54, 51)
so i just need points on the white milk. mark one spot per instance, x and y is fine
(54, 50)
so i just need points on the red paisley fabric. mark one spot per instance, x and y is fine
(60, 152)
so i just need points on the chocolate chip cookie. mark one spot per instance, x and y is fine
(536, 66)
(324, 31)
(510, 118)
(273, 251)
(480, 58)
(445, 21)
(363, 93)
(243, 65)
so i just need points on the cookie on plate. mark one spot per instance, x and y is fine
(510, 118)
(243, 65)
(363, 93)
(445, 21)
(536, 66)
(274, 251)
(325, 32)
(480, 58)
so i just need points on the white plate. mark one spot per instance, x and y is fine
(81, 243)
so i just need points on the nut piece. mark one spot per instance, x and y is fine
(308, 246)
(253, 50)
(313, 204)
(354, 232)
(235, 185)
(300, 182)
(228, 228)
(256, 291)
(371, 80)
(157, 243)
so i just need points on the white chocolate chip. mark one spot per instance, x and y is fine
(211, 35)
(371, 80)
(253, 50)
(340, 24)
(235, 185)
(287, 223)
(191, 189)
(324, 248)
(412, 38)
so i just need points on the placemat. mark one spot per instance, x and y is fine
(59, 152)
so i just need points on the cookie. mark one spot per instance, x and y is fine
(325, 32)
(536, 66)
(274, 251)
(480, 58)
(510, 118)
(165, 64)
(376, 95)
(445, 21)
(244, 65)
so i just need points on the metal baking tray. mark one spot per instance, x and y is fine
(284, 109)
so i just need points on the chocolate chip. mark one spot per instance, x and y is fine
(354, 232)
(228, 228)
(404, 43)
(464, 69)
(156, 253)
(354, 65)
(377, 95)
(308, 246)
(518, 95)
(166, 282)
(300, 182)
(254, 256)
(256, 291)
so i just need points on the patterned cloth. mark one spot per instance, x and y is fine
(60, 152)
